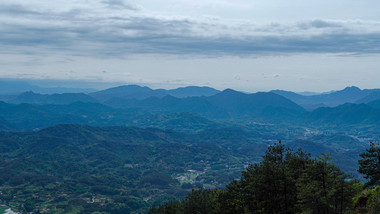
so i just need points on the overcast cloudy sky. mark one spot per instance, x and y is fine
(247, 45)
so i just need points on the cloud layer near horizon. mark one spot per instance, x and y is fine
(110, 28)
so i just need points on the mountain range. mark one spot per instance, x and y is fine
(138, 92)
(13, 92)
(348, 95)
(135, 105)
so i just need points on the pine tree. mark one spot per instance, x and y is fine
(370, 164)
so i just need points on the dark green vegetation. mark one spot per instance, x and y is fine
(287, 181)
(113, 169)
(120, 170)
(370, 164)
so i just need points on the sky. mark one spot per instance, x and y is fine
(249, 45)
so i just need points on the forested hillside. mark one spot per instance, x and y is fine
(288, 181)
(118, 170)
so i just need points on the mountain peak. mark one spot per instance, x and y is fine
(230, 91)
(352, 88)
(132, 87)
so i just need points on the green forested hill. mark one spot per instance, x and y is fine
(123, 169)
(184, 122)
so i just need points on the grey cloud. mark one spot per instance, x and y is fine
(17, 10)
(118, 4)
(23, 13)
(323, 24)
(119, 36)
(319, 24)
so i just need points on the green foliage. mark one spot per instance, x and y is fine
(199, 201)
(173, 207)
(370, 164)
(67, 168)
(74, 168)
(368, 201)
(29, 206)
(283, 182)
(2, 209)
(325, 189)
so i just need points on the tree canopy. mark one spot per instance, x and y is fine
(285, 181)
(369, 165)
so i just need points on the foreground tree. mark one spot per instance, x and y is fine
(324, 188)
(270, 186)
(368, 201)
(369, 165)
(284, 182)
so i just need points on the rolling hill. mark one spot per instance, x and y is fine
(347, 114)
(183, 122)
(130, 168)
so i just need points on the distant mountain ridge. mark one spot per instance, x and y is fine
(240, 102)
(346, 114)
(370, 98)
(348, 95)
(14, 87)
(125, 104)
(139, 92)
(126, 95)
(375, 104)
(59, 99)
(226, 104)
